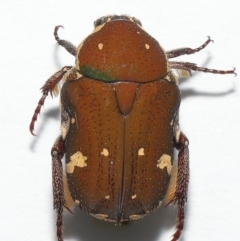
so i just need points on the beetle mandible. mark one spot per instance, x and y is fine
(119, 124)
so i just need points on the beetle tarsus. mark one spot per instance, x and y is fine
(182, 51)
(59, 202)
(180, 224)
(66, 44)
(48, 87)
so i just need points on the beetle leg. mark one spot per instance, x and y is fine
(182, 181)
(191, 66)
(66, 44)
(177, 192)
(59, 202)
(48, 87)
(182, 51)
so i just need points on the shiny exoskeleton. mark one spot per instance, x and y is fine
(119, 124)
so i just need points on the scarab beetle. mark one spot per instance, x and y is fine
(119, 124)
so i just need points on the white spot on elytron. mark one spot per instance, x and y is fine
(100, 46)
(134, 196)
(77, 202)
(135, 216)
(171, 123)
(165, 161)
(77, 159)
(100, 216)
(105, 152)
(186, 143)
(72, 120)
(159, 203)
(107, 197)
(141, 152)
(138, 32)
(147, 46)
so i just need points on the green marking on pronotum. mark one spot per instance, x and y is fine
(95, 74)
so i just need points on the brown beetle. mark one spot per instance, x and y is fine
(119, 124)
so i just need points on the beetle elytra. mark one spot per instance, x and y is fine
(119, 124)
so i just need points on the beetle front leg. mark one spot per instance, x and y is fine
(59, 202)
(49, 86)
(182, 51)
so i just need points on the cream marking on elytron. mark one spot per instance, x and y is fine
(105, 152)
(107, 197)
(165, 161)
(141, 152)
(171, 123)
(65, 121)
(77, 159)
(100, 46)
(72, 120)
(77, 202)
(134, 196)
(64, 131)
(99, 215)
(135, 216)
(178, 132)
(159, 203)
(172, 185)
(147, 46)
(67, 196)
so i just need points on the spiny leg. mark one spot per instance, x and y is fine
(59, 202)
(48, 87)
(182, 51)
(191, 66)
(66, 44)
(180, 195)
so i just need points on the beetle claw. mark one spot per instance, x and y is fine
(55, 32)
(209, 39)
(234, 71)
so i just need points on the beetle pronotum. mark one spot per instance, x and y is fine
(119, 124)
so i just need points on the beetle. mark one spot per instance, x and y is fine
(119, 124)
